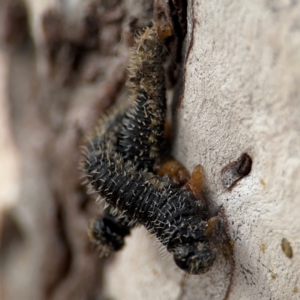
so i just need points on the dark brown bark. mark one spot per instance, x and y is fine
(57, 89)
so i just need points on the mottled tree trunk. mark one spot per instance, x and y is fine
(64, 63)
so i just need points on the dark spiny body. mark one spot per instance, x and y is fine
(141, 132)
(109, 231)
(120, 158)
(141, 138)
(172, 213)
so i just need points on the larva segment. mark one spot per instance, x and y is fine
(141, 138)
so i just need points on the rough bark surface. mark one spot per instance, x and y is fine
(240, 94)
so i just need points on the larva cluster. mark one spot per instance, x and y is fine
(120, 157)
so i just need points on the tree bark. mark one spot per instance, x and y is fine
(239, 94)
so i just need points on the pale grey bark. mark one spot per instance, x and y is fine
(241, 94)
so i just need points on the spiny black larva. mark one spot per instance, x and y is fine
(119, 161)
(141, 138)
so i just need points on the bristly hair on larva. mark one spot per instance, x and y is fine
(120, 157)
(141, 144)
(109, 232)
(141, 138)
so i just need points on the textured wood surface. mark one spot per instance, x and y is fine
(242, 87)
